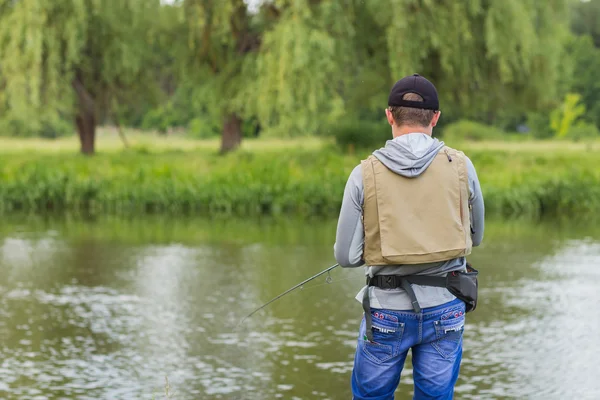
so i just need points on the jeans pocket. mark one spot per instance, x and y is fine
(449, 333)
(387, 334)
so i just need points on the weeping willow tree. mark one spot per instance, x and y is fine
(299, 65)
(485, 57)
(223, 38)
(73, 58)
(275, 61)
(586, 18)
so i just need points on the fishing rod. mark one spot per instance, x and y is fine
(328, 280)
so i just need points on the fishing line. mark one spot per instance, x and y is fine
(328, 283)
(300, 285)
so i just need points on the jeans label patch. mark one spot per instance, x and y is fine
(456, 329)
(384, 330)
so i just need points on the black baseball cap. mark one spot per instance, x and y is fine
(414, 84)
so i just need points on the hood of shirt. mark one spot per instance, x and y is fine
(409, 155)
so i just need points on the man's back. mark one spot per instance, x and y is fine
(408, 155)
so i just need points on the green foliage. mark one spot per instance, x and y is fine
(202, 128)
(295, 66)
(568, 120)
(585, 19)
(48, 46)
(465, 130)
(50, 127)
(482, 56)
(583, 131)
(55, 127)
(539, 124)
(218, 31)
(538, 183)
(160, 119)
(301, 65)
(564, 118)
(240, 184)
(515, 181)
(586, 75)
(360, 134)
(573, 194)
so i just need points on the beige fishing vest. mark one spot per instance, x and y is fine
(416, 220)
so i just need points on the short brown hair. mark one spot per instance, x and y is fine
(411, 116)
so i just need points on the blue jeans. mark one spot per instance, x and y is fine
(435, 337)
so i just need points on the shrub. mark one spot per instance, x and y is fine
(55, 128)
(471, 131)
(202, 128)
(360, 134)
(50, 128)
(582, 131)
(539, 124)
(567, 115)
(160, 119)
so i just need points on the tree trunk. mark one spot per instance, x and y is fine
(232, 133)
(86, 127)
(86, 117)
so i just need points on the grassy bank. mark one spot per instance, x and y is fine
(176, 175)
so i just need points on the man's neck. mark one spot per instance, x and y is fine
(406, 129)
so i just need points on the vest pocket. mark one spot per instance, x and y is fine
(387, 334)
(449, 333)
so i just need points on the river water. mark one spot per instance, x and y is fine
(106, 309)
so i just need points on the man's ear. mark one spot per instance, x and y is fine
(435, 118)
(390, 117)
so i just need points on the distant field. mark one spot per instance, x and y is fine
(109, 141)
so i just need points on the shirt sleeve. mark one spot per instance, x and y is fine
(477, 205)
(349, 240)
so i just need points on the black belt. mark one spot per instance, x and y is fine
(462, 284)
(394, 282)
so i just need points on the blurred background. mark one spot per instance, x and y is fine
(168, 166)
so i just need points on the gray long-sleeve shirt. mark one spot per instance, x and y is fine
(407, 155)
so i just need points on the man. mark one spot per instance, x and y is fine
(411, 213)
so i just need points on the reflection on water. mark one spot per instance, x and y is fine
(106, 309)
(546, 344)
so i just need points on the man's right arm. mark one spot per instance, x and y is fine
(349, 239)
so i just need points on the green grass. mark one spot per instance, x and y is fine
(270, 176)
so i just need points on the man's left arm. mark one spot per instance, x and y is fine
(476, 203)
